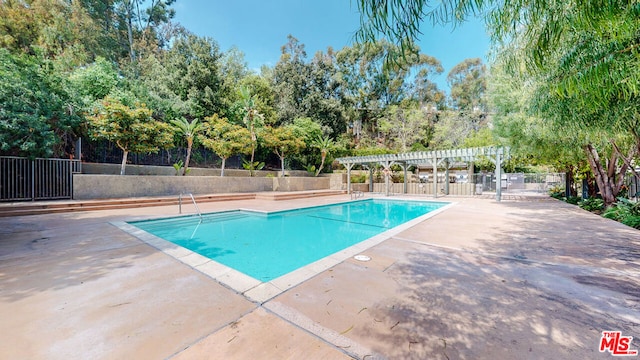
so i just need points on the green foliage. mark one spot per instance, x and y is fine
(93, 82)
(371, 150)
(283, 141)
(311, 169)
(36, 116)
(624, 211)
(573, 200)
(358, 178)
(256, 165)
(325, 144)
(397, 177)
(178, 166)
(192, 73)
(592, 204)
(253, 120)
(131, 129)
(468, 85)
(190, 131)
(455, 127)
(557, 192)
(404, 126)
(225, 139)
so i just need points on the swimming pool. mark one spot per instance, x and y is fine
(266, 246)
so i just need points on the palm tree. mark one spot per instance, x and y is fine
(190, 131)
(252, 119)
(325, 144)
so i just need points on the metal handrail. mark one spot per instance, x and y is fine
(192, 200)
(355, 194)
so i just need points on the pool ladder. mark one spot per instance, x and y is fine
(193, 200)
(356, 194)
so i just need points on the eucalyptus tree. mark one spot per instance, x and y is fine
(404, 126)
(233, 69)
(424, 89)
(324, 100)
(290, 81)
(53, 29)
(589, 72)
(192, 66)
(139, 20)
(468, 85)
(369, 84)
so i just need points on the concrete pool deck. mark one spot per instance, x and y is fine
(532, 278)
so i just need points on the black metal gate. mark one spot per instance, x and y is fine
(37, 179)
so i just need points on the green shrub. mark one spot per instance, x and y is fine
(574, 200)
(624, 211)
(311, 169)
(358, 178)
(556, 192)
(397, 177)
(632, 220)
(592, 204)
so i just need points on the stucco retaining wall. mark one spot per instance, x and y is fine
(114, 169)
(86, 186)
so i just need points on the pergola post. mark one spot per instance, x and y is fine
(435, 175)
(349, 166)
(446, 177)
(370, 177)
(404, 167)
(386, 172)
(498, 174)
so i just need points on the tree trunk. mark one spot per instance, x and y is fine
(591, 185)
(224, 160)
(569, 182)
(124, 161)
(132, 53)
(282, 164)
(324, 156)
(602, 176)
(186, 162)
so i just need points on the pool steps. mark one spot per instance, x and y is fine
(193, 219)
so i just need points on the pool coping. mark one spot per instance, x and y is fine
(256, 290)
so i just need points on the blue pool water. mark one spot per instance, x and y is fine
(266, 246)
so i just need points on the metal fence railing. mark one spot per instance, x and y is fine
(476, 184)
(36, 179)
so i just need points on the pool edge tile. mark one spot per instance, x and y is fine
(238, 281)
(263, 292)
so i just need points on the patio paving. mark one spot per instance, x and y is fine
(531, 278)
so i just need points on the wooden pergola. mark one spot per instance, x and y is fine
(437, 159)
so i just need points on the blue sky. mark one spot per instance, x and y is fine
(259, 28)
